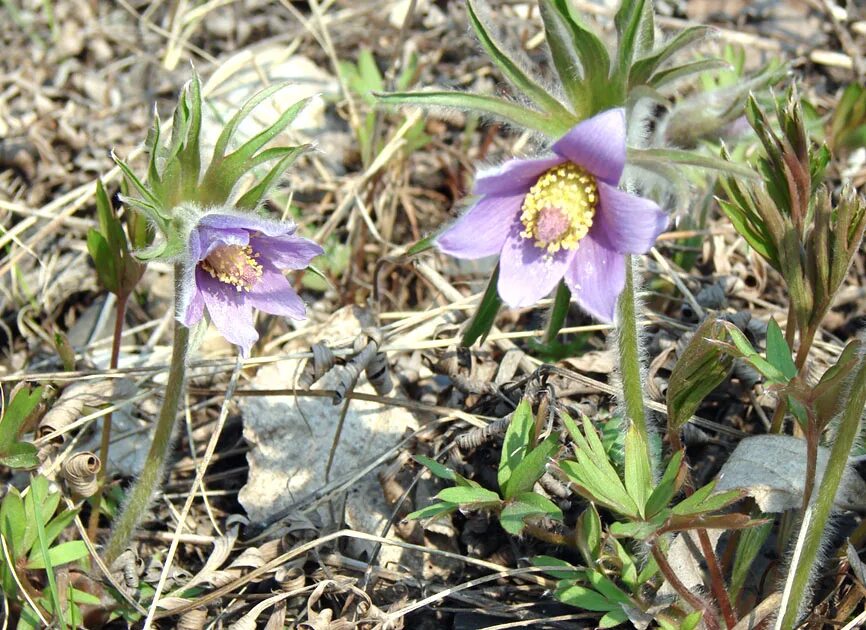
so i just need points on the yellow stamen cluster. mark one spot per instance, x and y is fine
(559, 208)
(235, 265)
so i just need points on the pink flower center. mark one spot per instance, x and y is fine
(558, 210)
(235, 265)
(551, 224)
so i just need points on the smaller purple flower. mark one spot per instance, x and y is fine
(560, 217)
(234, 263)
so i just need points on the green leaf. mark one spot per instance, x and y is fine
(828, 392)
(614, 618)
(628, 573)
(639, 530)
(432, 511)
(585, 599)
(670, 75)
(485, 315)
(635, 28)
(148, 203)
(257, 194)
(38, 499)
(190, 155)
(692, 620)
(246, 109)
(757, 238)
(103, 260)
(464, 495)
(702, 366)
(703, 500)
(778, 352)
(44, 503)
(515, 74)
(524, 506)
(568, 572)
(65, 351)
(17, 411)
(369, 73)
(745, 350)
(748, 547)
(581, 58)
(691, 158)
(667, 486)
(606, 587)
(82, 597)
(519, 438)
(588, 534)
(224, 172)
(64, 553)
(644, 68)
(436, 468)
(428, 242)
(496, 108)
(58, 524)
(21, 455)
(599, 471)
(13, 522)
(409, 73)
(638, 475)
(594, 57)
(531, 468)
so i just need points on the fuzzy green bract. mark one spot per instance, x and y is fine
(180, 188)
(230, 258)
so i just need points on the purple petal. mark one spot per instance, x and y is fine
(596, 277)
(210, 238)
(229, 311)
(515, 176)
(627, 223)
(598, 145)
(273, 294)
(528, 273)
(193, 310)
(247, 221)
(482, 230)
(286, 252)
(193, 248)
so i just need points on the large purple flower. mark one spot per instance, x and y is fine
(234, 263)
(559, 217)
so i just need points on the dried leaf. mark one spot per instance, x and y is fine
(69, 407)
(772, 469)
(81, 471)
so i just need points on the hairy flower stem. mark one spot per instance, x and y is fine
(96, 500)
(139, 497)
(628, 347)
(816, 516)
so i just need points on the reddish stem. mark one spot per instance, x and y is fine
(717, 581)
(120, 315)
(710, 620)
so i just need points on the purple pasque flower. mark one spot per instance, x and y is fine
(559, 217)
(235, 262)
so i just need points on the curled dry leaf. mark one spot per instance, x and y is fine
(248, 621)
(772, 470)
(72, 402)
(367, 359)
(290, 578)
(128, 569)
(81, 471)
(194, 619)
(210, 572)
